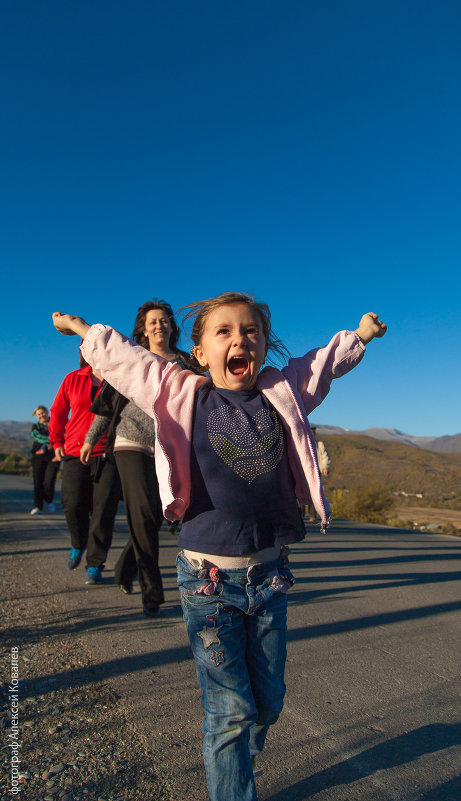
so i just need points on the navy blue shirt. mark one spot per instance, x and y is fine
(242, 488)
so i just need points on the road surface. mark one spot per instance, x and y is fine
(373, 704)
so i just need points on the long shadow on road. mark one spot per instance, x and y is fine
(405, 748)
(137, 662)
(86, 619)
(380, 581)
(370, 621)
(411, 558)
(104, 671)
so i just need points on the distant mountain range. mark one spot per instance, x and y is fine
(15, 437)
(12, 431)
(446, 444)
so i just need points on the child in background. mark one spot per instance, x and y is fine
(235, 459)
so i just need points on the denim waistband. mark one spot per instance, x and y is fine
(231, 562)
(237, 572)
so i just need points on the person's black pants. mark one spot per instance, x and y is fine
(144, 516)
(90, 495)
(44, 471)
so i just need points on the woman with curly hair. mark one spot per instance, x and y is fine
(131, 438)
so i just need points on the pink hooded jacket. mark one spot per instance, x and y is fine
(166, 392)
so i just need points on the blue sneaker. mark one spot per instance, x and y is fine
(93, 575)
(75, 557)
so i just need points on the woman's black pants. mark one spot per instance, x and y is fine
(44, 471)
(90, 495)
(144, 516)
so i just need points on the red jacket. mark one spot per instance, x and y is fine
(74, 396)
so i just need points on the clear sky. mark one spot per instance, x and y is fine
(308, 152)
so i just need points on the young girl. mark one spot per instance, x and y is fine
(235, 459)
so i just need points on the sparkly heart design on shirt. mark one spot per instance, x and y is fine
(252, 446)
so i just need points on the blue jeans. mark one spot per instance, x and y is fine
(236, 623)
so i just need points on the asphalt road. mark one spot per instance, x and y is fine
(373, 704)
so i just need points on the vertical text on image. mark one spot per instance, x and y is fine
(13, 735)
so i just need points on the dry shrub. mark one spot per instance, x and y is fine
(365, 504)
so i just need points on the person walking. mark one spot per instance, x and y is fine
(235, 459)
(45, 466)
(131, 437)
(90, 492)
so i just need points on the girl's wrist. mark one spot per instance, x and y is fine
(365, 336)
(81, 327)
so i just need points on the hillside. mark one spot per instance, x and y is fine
(15, 431)
(15, 437)
(10, 445)
(356, 459)
(19, 432)
(360, 460)
(446, 444)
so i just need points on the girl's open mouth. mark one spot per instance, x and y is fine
(238, 365)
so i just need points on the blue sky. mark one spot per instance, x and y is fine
(306, 152)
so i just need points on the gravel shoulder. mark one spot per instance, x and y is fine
(78, 737)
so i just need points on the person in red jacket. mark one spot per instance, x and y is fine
(89, 493)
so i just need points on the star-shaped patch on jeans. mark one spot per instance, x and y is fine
(217, 657)
(209, 635)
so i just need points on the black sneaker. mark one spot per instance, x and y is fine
(151, 611)
(126, 588)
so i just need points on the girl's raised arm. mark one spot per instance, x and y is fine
(370, 327)
(135, 372)
(70, 325)
(313, 373)
(128, 367)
